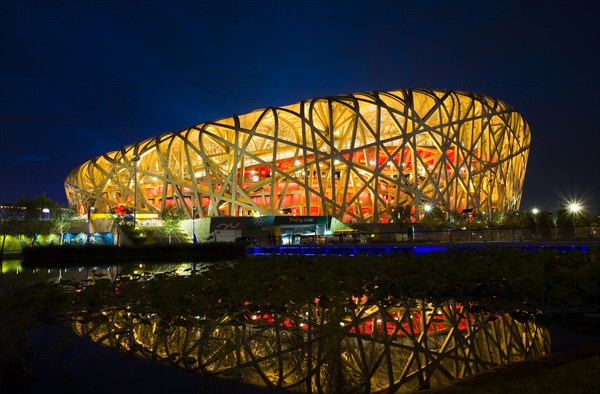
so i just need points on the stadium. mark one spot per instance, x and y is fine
(358, 158)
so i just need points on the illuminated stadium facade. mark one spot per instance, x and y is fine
(356, 157)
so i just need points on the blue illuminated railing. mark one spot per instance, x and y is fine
(380, 250)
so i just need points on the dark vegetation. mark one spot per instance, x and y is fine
(559, 284)
(497, 279)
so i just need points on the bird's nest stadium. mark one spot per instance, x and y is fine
(355, 157)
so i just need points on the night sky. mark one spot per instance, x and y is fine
(81, 78)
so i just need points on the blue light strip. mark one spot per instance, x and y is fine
(380, 250)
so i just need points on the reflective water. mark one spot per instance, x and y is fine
(364, 347)
(332, 344)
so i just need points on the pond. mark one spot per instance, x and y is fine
(362, 347)
(302, 338)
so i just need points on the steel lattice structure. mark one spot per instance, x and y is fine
(372, 348)
(354, 157)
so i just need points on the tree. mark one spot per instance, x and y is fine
(9, 217)
(565, 223)
(171, 217)
(401, 214)
(61, 221)
(38, 211)
(544, 224)
(527, 220)
(456, 220)
(434, 218)
(497, 219)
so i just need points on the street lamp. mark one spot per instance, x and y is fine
(135, 160)
(426, 211)
(574, 207)
(535, 211)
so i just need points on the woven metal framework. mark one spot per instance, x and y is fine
(354, 157)
(372, 348)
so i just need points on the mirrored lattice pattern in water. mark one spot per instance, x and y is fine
(368, 348)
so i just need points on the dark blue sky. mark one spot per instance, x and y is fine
(81, 78)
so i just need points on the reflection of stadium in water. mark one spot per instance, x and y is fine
(327, 347)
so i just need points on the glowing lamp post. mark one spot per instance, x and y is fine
(426, 211)
(574, 207)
